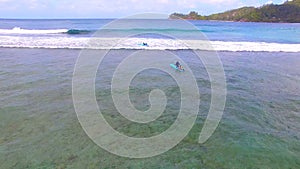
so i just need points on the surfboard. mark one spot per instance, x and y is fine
(176, 68)
(141, 44)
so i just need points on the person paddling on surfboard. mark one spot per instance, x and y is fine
(178, 65)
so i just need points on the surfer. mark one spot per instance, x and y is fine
(178, 65)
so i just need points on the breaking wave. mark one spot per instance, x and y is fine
(18, 30)
(135, 43)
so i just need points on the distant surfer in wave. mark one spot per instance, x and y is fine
(143, 44)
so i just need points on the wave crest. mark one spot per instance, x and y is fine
(18, 30)
(134, 43)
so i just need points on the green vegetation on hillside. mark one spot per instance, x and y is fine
(286, 12)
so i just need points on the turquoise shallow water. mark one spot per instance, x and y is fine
(260, 127)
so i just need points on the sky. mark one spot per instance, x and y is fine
(42, 9)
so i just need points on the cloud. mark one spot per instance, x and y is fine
(220, 1)
(269, 2)
(112, 8)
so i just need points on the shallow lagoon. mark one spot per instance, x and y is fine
(259, 129)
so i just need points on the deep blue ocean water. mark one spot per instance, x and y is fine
(229, 36)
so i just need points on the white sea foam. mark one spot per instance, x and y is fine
(18, 30)
(133, 43)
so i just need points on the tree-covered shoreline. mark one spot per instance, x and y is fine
(286, 12)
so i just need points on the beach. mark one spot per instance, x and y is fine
(260, 126)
